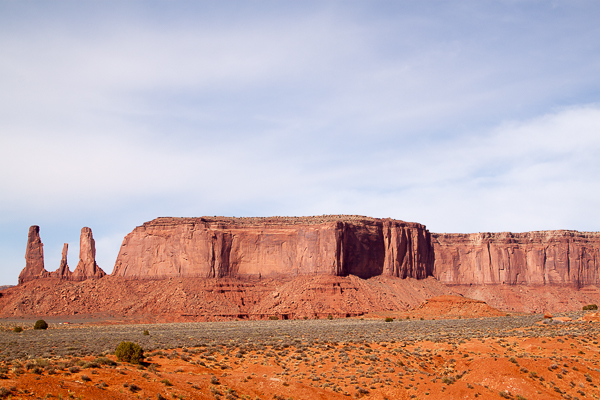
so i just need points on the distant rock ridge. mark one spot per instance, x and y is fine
(337, 245)
(34, 259)
(560, 257)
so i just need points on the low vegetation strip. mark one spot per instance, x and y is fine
(519, 357)
(83, 340)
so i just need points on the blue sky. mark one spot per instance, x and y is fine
(465, 116)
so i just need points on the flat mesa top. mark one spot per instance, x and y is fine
(311, 220)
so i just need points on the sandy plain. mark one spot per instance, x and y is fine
(418, 356)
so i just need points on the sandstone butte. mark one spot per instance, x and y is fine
(279, 246)
(279, 264)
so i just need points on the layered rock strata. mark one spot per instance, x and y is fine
(201, 299)
(213, 247)
(537, 258)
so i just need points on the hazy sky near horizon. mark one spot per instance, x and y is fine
(465, 116)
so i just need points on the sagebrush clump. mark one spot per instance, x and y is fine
(129, 352)
(590, 307)
(40, 324)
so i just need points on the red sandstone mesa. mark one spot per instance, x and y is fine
(278, 246)
(535, 258)
(309, 266)
(338, 245)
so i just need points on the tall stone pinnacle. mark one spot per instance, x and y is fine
(34, 257)
(63, 271)
(87, 267)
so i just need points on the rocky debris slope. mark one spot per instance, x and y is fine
(215, 247)
(535, 258)
(532, 298)
(304, 296)
(347, 296)
(226, 298)
(34, 259)
(456, 306)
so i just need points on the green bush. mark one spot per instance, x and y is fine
(40, 324)
(273, 317)
(590, 307)
(330, 317)
(129, 352)
(389, 319)
(17, 329)
(104, 361)
(146, 333)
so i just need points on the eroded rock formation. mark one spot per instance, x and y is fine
(87, 267)
(243, 267)
(63, 271)
(34, 257)
(536, 258)
(278, 246)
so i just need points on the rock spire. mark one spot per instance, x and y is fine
(63, 271)
(87, 267)
(34, 257)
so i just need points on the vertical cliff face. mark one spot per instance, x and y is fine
(87, 267)
(408, 250)
(538, 258)
(262, 247)
(34, 257)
